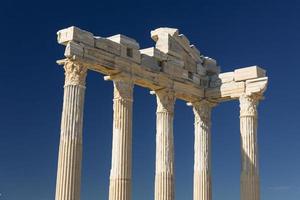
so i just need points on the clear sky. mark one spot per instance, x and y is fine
(236, 33)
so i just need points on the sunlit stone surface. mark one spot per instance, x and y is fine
(250, 164)
(120, 174)
(70, 147)
(202, 150)
(173, 69)
(164, 168)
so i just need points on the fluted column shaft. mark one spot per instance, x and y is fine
(202, 151)
(120, 174)
(249, 150)
(70, 147)
(164, 170)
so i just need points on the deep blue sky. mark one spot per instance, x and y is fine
(236, 33)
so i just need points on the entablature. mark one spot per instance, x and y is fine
(173, 63)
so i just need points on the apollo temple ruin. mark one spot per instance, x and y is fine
(173, 69)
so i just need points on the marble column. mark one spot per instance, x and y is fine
(202, 150)
(164, 169)
(70, 147)
(120, 174)
(249, 150)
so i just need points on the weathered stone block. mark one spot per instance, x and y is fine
(190, 64)
(248, 73)
(129, 47)
(108, 45)
(204, 81)
(201, 70)
(126, 41)
(194, 48)
(166, 42)
(174, 48)
(171, 43)
(175, 62)
(196, 79)
(75, 34)
(211, 66)
(155, 34)
(149, 62)
(180, 89)
(102, 57)
(154, 52)
(215, 81)
(184, 40)
(185, 74)
(226, 77)
(258, 85)
(232, 89)
(195, 53)
(172, 70)
(72, 49)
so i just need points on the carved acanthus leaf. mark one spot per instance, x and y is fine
(202, 111)
(75, 74)
(249, 104)
(123, 89)
(165, 100)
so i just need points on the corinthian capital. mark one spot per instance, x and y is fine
(123, 89)
(248, 105)
(75, 74)
(202, 110)
(165, 100)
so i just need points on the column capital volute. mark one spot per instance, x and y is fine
(249, 104)
(75, 73)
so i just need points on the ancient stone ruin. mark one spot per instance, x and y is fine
(173, 69)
